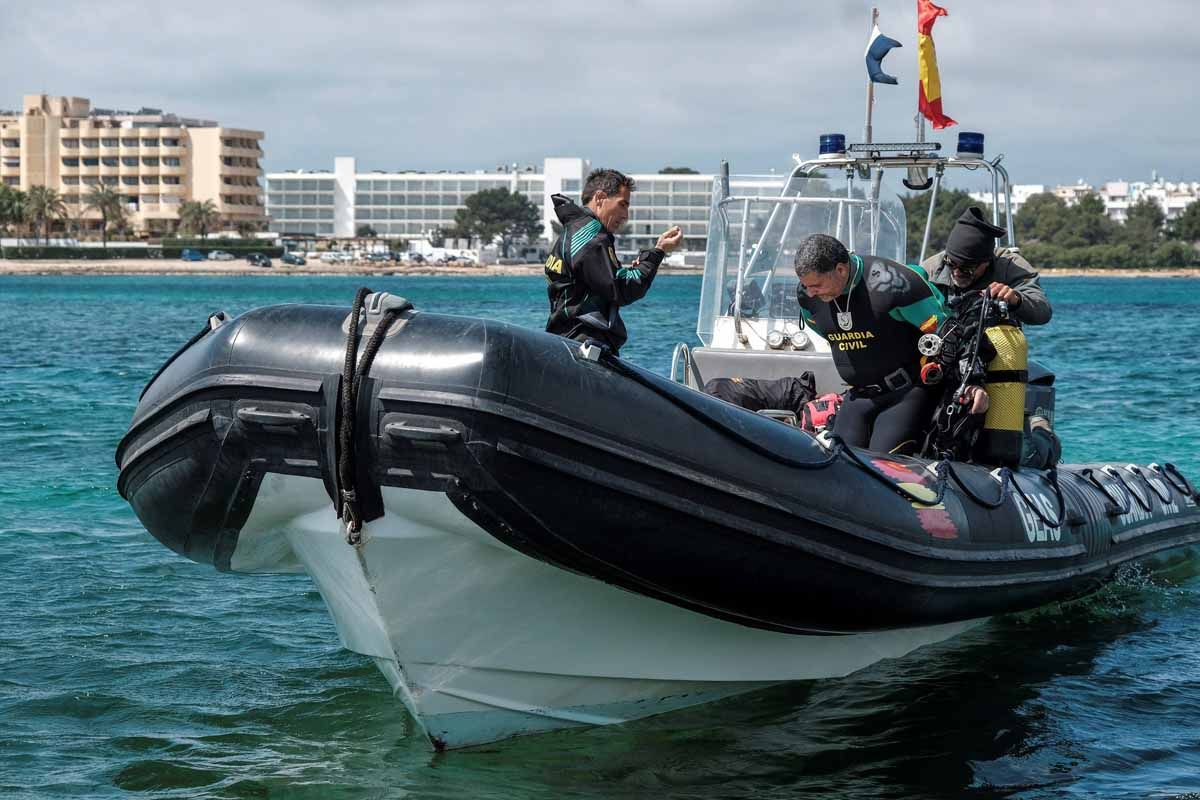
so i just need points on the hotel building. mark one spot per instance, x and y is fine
(411, 205)
(154, 160)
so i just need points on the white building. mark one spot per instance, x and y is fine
(411, 205)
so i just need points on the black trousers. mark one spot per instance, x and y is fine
(892, 421)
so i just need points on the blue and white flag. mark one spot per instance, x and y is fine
(877, 48)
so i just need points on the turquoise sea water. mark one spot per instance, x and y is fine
(127, 671)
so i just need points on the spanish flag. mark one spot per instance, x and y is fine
(930, 89)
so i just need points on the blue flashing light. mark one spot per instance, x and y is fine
(833, 144)
(970, 144)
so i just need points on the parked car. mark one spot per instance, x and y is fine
(220, 255)
(378, 258)
(415, 258)
(189, 254)
(330, 257)
(295, 259)
(258, 259)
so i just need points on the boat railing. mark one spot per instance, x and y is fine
(681, 363)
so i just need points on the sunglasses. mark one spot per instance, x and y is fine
(958, 266)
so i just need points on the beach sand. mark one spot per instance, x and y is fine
(158, 266)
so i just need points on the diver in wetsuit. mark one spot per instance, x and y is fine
(871, 310)
(587, 283)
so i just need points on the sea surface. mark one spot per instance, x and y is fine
(127, 671)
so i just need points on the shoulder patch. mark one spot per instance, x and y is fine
(883, 279)
(584, 235)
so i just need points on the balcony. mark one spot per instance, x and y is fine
(246, 172)
(108, 150)
(240, 152)
(109, 169)
(71, 170)
(176, 152)
(173, 190)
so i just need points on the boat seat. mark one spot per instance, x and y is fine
(715, 362)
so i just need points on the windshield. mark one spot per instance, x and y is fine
(756, 224)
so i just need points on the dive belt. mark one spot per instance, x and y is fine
(892, 382)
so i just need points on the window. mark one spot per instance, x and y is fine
(90, 142)
(129, 162)
(109, 142)
(309, 200)
(308, 186)
(170, 162)
(170, 142)
(150, 180)
(12, 142)
(91, 162)
(149, 142)
(149, 162)
(91, 181)
(71, 181)
(150, 199)
(170, 180)
(129, 181)
(325, 186)
(109, 162)
(70, 162)
(70, 199)
(70, 144)
(129, 143)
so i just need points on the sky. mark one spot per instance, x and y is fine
(1066, 89)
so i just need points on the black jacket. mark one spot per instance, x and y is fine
(587, 284)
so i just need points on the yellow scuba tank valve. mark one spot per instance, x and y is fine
(1002, 437)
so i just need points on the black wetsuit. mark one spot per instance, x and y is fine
(875, 350)
(588, 285)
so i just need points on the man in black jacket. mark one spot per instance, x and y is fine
(970, 264)
(588, 284)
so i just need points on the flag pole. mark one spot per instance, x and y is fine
(870, 84)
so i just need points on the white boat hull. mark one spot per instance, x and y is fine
(483, 643)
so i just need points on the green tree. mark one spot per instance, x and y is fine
(951, 203)
(108, 204)
(12, 206)
(1185, 228)
(1087, 223)
(398, 245)
(198, 217)
(498, 214)
(43, 206)
(1144, 224)
(246, 229)
(1041, 218)
(677, 171)
(437, 237)
(365, 232)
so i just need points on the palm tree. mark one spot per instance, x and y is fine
(105, 200)
(12, 209)
(196, 217)
(43, 205)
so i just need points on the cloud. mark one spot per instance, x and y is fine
(1067, 89)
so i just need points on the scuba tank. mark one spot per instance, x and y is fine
(1002, 438)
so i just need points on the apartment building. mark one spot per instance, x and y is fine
(154, 160)
(413, 204)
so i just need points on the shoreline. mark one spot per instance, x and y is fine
(160, 267)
